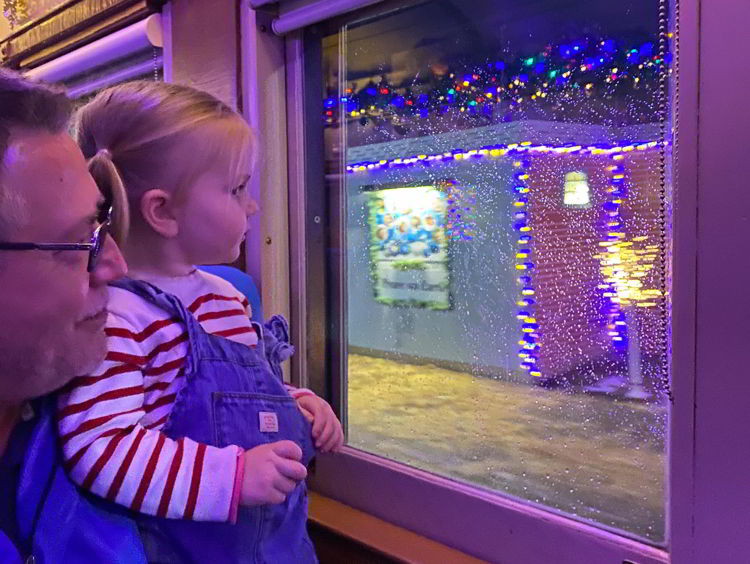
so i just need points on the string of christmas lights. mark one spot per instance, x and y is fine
(611, 260)
(588, 66)
(494, 151)
(624, 263)
(529, 342)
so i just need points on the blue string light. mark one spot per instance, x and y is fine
(528, 354)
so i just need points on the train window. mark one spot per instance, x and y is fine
(494, 332)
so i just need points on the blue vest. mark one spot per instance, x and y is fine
(57, 520)
(228, 385)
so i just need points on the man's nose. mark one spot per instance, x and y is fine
(111, 264)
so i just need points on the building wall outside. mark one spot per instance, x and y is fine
(481, 331)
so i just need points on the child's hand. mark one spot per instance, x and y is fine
(272, 471)
(326, 429)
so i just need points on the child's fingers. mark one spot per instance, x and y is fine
(291, 469)
(320, 419)
(275, 497)
(325, 433)
(335, 439)
(283, 484)
(287, 449)
(307, 415)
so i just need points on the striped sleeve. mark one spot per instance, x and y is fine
(225, 315)
(109, 425)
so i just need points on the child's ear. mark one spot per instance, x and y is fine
(157, 210)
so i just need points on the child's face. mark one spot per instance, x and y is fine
(212, 217)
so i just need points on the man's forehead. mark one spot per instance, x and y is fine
(50, 173)
(41, 147)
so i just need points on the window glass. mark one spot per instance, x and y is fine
(503, 169)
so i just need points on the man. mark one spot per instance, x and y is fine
(55, 262)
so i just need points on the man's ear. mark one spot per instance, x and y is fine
(157, 209)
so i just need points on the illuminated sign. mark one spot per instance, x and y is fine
(408, 246)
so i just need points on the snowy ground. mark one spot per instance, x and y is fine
(591, 456)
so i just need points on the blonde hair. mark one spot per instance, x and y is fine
(132, 133)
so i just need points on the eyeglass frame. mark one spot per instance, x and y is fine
(94, 247)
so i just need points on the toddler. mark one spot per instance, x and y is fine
(188, 418)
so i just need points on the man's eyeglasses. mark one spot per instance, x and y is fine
(94, 247)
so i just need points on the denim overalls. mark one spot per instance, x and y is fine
(229, 388)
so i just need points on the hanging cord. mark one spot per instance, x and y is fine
(156, 63)
(664, 364)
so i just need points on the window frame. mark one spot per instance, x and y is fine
(446, 510)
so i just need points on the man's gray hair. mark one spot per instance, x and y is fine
(31, 105)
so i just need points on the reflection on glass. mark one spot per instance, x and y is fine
(506, 188)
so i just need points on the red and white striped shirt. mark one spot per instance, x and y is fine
(110, 420)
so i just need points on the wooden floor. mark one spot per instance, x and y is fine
(591, 456)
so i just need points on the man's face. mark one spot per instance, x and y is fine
(52, 311)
